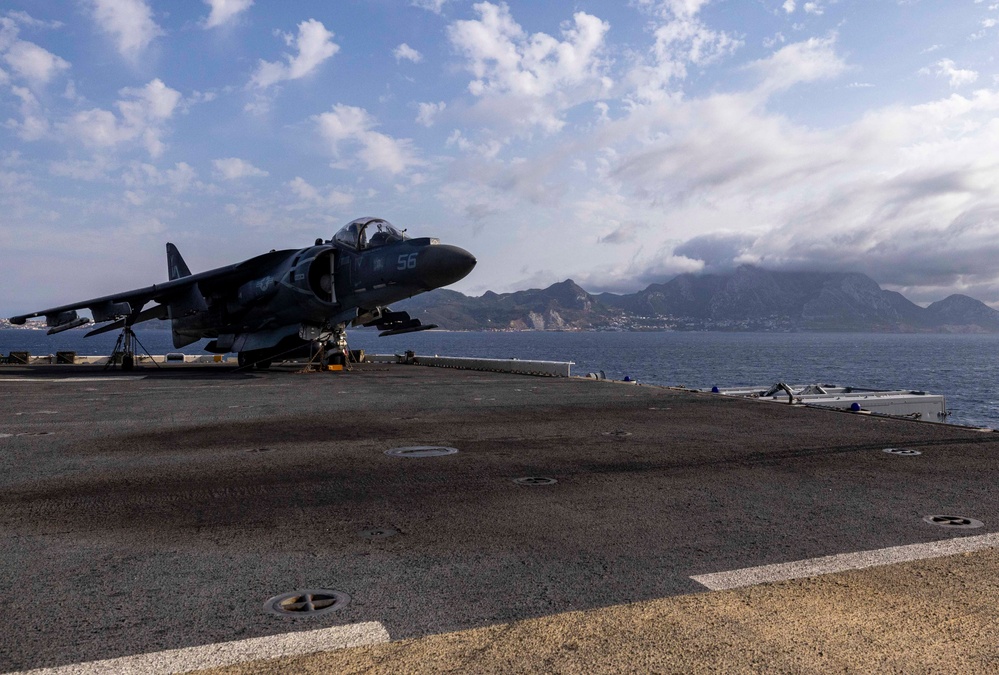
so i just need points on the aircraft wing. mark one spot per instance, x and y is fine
(130, 303)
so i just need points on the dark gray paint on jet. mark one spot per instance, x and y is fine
(285, 299)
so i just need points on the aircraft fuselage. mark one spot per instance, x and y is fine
(281, 300)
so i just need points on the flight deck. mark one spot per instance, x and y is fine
(398, 518)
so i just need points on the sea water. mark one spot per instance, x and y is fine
(963, 368)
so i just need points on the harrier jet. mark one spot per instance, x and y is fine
(277, 302)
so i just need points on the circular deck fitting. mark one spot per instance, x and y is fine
(307, 603)
(954, 522)
(535, 481)
(905, 452)
(618, 433)
(379, 533)
(419, 451)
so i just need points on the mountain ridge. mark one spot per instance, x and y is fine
(748, 299)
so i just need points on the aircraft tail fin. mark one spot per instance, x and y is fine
(176, 266)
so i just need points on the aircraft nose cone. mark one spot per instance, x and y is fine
(442, 264)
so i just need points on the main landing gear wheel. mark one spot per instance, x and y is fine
(252, 361)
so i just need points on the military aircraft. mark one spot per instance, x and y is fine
(281, 301)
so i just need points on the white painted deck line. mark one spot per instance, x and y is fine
(126, 378)
(765, 574)
(230, 653)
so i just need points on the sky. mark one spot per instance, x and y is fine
(614, 142)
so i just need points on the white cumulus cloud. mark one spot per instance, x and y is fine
(129, 22)
(142, 113)
(957, 77)
(224, 11)
(404, 51)
(533, 78)
(681, 39)
(33, 63)
(313, 45)
(27, 60)
(350, 125)
(428, 112)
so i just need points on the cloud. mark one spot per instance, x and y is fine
(404, 51)
(705, 182)
(328, 198)
(224, 11)
(25, 19)
(956, 76)
(624, 233)
(717, 251)
(141, 116)
(435, 6)
(129, 22)
(905, 194)
(313, 44)
(488, 150)
(788, 6)
(428, 112)
(679, 8)
(140, 175)
(94, 169)
(798, 63)
(33, 63)
(530, 80)
(349, 125)
(681, 39)
(27, 60)
(233, 168)
(33, 125)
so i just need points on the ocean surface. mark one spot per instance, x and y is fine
(964, 368)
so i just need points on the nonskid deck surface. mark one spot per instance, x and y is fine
(160, 510)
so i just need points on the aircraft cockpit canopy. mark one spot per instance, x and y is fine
(365, 233)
